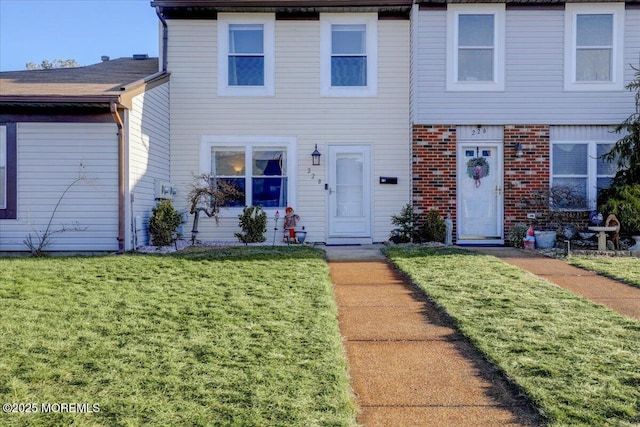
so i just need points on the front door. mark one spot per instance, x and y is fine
(480, 198)
(349, 194)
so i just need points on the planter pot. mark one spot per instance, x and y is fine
(300, 236)
(635, 247)
(545, 239)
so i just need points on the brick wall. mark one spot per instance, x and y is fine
(434, 170)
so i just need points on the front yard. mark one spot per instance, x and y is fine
(242, 337)
(626, 269)
(578, 362)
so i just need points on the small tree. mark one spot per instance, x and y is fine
(622, 198)
(433, 229)
(405, 221)
(164, 223)
(253, 222)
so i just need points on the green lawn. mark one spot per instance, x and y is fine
(577, 361)
(626, 269)
(226, 337)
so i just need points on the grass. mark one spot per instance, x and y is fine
(226, 337)
(577, 361)
(626, 269)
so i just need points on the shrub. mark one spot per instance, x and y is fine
(623, 202)
(517, 234)
(164, 223)
(253, 222)
(405, 221)
(433, 228)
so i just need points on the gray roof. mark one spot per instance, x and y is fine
(106, 81)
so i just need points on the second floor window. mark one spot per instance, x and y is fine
(246, 57)
(348, 55)
(475, 54)
(593, 46)
(348, 49)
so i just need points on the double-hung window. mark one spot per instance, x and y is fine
(348, 55)
(593, 46)
(8, 171)
(259, 168)
(246, 55)
(475, 54)
(578, 169)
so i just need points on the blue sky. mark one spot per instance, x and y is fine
(84, 30)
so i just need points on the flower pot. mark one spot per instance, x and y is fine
(545, 239)
(300, 236)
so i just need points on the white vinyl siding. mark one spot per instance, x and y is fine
(534, 76)
(246, 55)
(50, 157)
(148, 157)
(475, 47)
(594, 42)
(297, 110)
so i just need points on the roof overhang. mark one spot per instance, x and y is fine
(202, 9)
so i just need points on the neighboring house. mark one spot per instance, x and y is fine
(257, 86)
(532, 87)
(106, 124)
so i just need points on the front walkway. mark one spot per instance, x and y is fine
(408, 365)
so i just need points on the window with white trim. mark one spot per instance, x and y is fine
(475, 47)
(246, 55)
(260, 168)
(3, 167)
(593, 46)
(578, 167)
(349, 50)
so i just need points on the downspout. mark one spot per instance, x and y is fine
(165, 37)
(121, 175)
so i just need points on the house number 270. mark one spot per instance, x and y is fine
(478, 131)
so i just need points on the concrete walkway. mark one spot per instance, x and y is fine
(618, 296)
(408, 365)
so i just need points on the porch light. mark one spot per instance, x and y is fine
(519, 152)
(315, 157)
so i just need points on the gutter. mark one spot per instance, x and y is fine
(165, 37)
(121, 175)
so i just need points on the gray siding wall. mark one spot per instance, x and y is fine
(148, 156)
(51, 156)
(534, 86)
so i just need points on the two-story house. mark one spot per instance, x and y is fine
(258, 86)
(511, 98)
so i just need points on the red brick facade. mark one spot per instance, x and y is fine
(434, 169)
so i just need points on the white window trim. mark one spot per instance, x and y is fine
(453, 12)
(371, 22)
(592, 169)
(572, 10)
(207, 142)
(267, 20)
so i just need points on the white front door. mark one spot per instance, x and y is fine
(480, 197)
(349, 194)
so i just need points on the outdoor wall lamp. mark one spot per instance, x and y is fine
(519, 152)
(315, 157)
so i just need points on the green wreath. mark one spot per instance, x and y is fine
(477, 168)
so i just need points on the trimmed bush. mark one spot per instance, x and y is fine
(253, 222)
(164, 223)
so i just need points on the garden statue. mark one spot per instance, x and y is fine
(290, 221)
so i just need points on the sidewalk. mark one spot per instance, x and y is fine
(617, 296)
(408, 365)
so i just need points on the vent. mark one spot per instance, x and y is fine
(140, 56)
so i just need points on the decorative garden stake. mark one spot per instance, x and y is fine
(275, 229)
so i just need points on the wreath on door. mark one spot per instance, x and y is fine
(477, 168)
